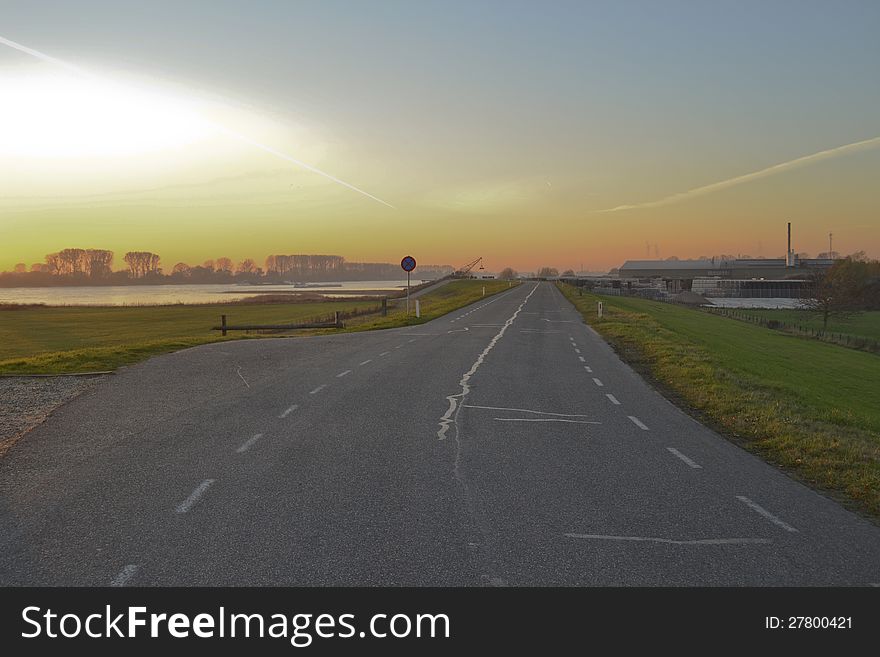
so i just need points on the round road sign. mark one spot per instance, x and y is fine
(408, 263)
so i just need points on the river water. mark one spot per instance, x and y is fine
(135, 295)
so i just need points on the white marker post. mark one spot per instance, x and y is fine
(600, 309)
(418, 310)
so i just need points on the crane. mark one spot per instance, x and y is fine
(461, 272)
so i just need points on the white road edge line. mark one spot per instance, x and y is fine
(612, 399)
(754, 506)
(247, 444)
(124, 575)
(195, 496)
(288, 411)
(684, 458)
(342, 374)
(636, 421)
(671, 541)
(318, 389)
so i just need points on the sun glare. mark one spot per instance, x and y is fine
(62, 115)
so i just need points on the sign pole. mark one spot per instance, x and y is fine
(408, 264)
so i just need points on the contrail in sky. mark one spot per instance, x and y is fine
(755, 175)
(220, 128)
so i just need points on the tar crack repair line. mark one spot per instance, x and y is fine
(451, 414)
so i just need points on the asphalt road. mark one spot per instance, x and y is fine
(503, 445)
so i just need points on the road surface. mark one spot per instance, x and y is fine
(505, 444)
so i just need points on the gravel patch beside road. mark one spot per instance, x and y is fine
(26, 401)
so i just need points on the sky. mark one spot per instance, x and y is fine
(569, 134)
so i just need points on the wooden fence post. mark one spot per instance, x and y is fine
(384, 306)
(223, 324)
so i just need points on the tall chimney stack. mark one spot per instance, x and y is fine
(789, 256)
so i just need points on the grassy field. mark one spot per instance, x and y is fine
(862, 325)
(39, 340)
(811, 407)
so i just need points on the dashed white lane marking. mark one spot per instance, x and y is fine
(612, 399)
(522, 410)
(247, 444)
(486, 325)
(582, 359)
(385, 353)
(288, 411)
(413, 340)
(124, 575)
(577, 351)
(400, 346)
(684, 458)
(764, 512)
(543, 419)
(369, 360)
(574, 344)
(637, 422)
(195, 496)
(342, 374)
(672, 541)
(588, 368)
(598, 382)
(318, 389)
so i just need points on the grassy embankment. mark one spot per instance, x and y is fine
(53, 340)
(860, 325)
(810, 407)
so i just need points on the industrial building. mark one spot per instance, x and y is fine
(789, 277)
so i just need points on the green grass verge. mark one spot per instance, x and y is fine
(861, 325)
(83, 339)
(57, 340)
(810, 407)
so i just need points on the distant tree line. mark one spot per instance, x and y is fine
(95, 267)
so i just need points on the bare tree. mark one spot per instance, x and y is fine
(840, 290)
(141, 263)
(247, 266)
(507, 274)
(20, 268)
(223, 264)
(182, 270)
